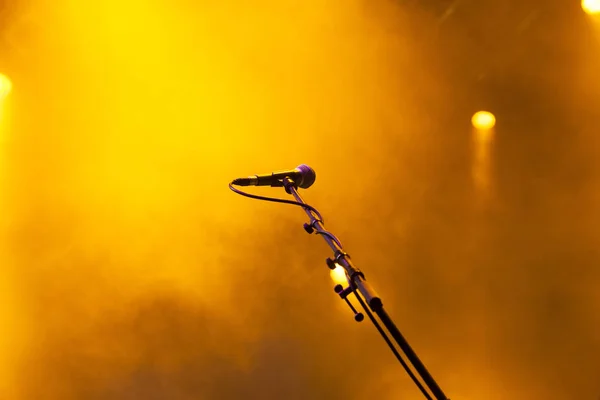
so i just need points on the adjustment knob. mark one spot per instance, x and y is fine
(309, 228)
(331, 264)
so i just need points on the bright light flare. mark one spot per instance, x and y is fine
(483, 133)
(483, 120)
(338, 275)
(591, 6)
(5, 86)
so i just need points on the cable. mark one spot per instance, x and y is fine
(330, 236)
(276, 200)
(392, 347)
(292, 202)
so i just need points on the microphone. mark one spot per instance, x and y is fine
(303, 175)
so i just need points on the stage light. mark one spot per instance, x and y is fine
(338, 275)
(483, 120)
(591, 6)
(5, 86)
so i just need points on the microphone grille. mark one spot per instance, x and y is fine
(308, 176)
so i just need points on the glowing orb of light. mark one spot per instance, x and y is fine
(338, 275)
(5, 86)
(591, 6)
(483, 120)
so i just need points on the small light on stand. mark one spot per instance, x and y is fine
(338, 275)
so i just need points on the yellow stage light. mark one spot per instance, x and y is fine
(338, 275)
(591, 6)
(5, 86)
(483, 120)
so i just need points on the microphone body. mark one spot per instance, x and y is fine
(304, 176)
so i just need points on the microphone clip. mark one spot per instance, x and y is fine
(289, 184)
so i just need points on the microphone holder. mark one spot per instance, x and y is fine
(357, 282)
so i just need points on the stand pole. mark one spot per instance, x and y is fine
(358, 281)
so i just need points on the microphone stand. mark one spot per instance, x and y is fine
(357, 281)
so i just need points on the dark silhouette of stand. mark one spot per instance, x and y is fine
(358, 285)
